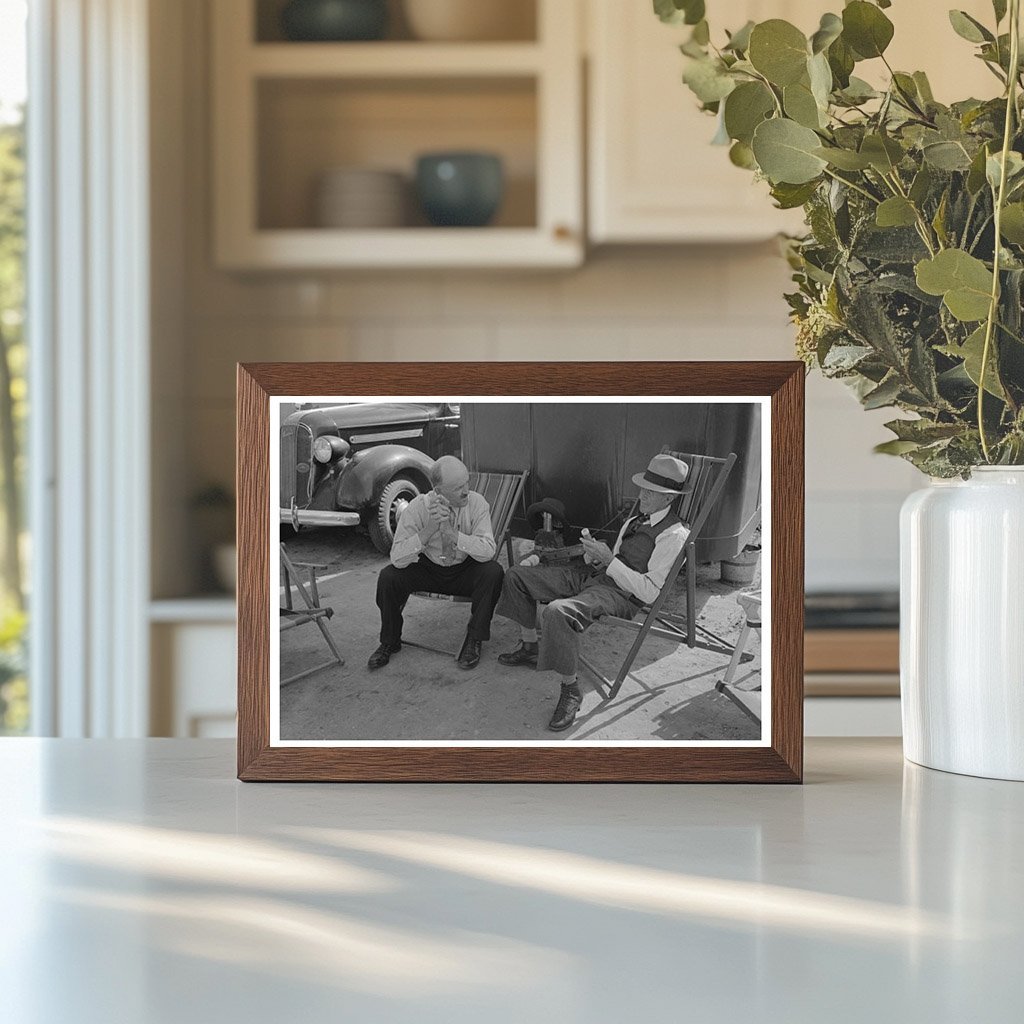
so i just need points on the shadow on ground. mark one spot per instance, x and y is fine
(670, 694)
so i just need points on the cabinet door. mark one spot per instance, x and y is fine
(654, 175)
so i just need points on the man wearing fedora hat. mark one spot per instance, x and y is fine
(615, 581)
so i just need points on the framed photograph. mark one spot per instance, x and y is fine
(520, 572)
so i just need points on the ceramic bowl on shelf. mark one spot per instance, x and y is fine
(470, 20)
(361, 198)
(460, 189)
(334, 20)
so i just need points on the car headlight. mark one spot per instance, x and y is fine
(327, 449)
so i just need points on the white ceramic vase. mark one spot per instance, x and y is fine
(962, 624)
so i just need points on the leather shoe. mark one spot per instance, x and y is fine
(565, 712)
(469, 656)
(382, 655)
(521, 655)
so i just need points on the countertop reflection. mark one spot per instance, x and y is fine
(144, 884)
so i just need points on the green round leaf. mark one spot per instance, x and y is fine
(882, 152)
(947, 156)
(866, 29)
(962, 280)
(779, 51)
(895, 212)
(829, 30)
(820, 75)
(844, 159)
(968, 28)
(674, 12)
(746, 107)
(743, 156)
(788, 197)
(841, 62)
(971, 352)
(1011, 225)
(784, 151)
(800, 105)
(708, 80)
(740, 39)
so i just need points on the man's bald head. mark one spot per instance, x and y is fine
(447, 471)
(450, 478)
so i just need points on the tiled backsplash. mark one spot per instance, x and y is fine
(701, 303)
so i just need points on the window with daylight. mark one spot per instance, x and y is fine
(14, 547)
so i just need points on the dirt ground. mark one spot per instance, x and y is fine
(421, 695)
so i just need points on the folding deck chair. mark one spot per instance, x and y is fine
(502, 492)
(748, 700)
(312, 611)
(704, 485)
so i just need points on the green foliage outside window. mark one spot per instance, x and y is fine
(910, 279)
(13, 412)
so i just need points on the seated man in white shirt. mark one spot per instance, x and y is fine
(617, 581)
(443, 544)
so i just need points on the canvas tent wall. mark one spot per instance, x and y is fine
(586, 453)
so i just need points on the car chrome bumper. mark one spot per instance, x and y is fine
(318, 517)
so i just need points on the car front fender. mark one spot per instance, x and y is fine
(370, 470)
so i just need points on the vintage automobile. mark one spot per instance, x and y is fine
(342, 465)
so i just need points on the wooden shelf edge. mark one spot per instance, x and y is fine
(852, 650)
(392, 60)
(313, 248)
(212, 608)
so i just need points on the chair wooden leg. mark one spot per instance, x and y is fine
(287, 583)
(741, 644)
(691, 595)
(627, 664)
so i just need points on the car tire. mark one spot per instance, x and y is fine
(393, 498)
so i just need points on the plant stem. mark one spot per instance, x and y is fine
(993, 308)
(850, 184)
(768, 86)
(922, 225)
(1012, 334)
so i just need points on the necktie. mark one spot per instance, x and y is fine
(636, 524)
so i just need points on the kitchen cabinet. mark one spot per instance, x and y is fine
(653, 175)
(287, 113)
(193, 673)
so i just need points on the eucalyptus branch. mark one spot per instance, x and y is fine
(855, 187)
(993, 308)
(977, 238)
(771, 89)
(969, 217)
(923, 228)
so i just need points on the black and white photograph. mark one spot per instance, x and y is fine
(468, 571)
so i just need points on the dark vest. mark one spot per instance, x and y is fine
(638, 542)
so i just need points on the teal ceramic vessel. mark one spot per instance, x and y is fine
(460, 189)
(334, 21)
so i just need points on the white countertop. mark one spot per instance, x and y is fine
(143, 884)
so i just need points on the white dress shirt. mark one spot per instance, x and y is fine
(646, 586)
(473, 522)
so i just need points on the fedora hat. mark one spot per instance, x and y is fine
(535, 513)
(664, 473)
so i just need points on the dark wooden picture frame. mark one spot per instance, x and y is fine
(780, 761)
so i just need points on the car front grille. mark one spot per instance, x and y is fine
(296, 451)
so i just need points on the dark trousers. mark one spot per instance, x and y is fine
(480, 581)
(573, 599)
